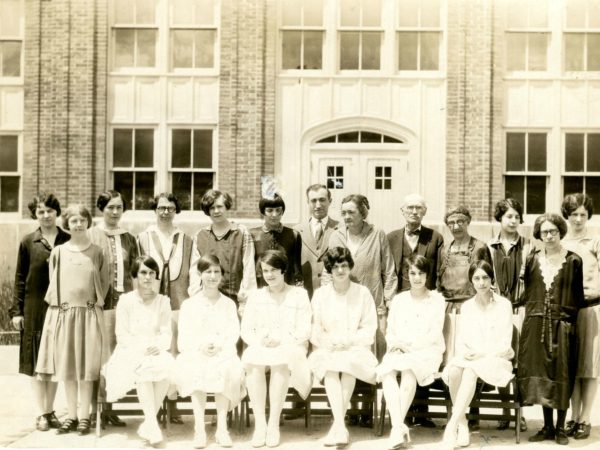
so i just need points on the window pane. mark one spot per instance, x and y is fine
(378, 171)
(202, 183)
(515, 188)
(180, 11)
(313, 50)
(205, 12)
(124, 43)
(592, 188)
(146, 43)
(349, 50)
(378, 183)
(10, 18)
(9, 153)
(182, 188)
(536, 159)
(515, 151)
(371, 50)
(350, 12)
(572, 185)
(593, 153)
(313, 13)
(290, 52)
(183, 44)
(11, 58)
(387, 171)
(371, 13)
(576, 13)
(574, 152)
(391, 140)
(123, 183)
(515, 17)
(9, 194)
(538, 13)
(144, 189)
(181, 149)
(387, 184)
(291, 13)
(408, 13)
(430, 13)
(203, 149)
(536, 195)
(348, 137)
(430, 43)
(327, 139)
(367, 136)
(339, 171)
(122, 144)
(515, 51)
(593, 48)
(145, 12)
(407, 56)
(144, 148)
(538, 44)
(205, 48)
(573, 51)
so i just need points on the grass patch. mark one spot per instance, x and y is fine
(6, 295)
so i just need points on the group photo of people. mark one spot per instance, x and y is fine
(236, 314)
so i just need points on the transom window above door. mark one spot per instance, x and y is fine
(359, 137)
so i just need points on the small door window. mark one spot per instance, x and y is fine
(335, 177)
(383, 178)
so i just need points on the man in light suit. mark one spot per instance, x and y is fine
(415, 238)
(315, 234)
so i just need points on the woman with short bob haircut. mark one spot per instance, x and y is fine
(483, 350)
(415, 345)
(208, 362)
(74, 346)
(276, 327)
(141, 359)
(28, 309)
(343, 331)
(547, 348)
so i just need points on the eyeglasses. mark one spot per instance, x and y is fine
(416, 208)
(169, 209)
(552, 232)
(460, 223)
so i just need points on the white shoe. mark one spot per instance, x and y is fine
(449, 440)
(155, 436)
(223, 439)
(462, 436)
(331, 439)
(273, 437)
(258, 438)
(199, 439)
(342, 436)
(398, 436)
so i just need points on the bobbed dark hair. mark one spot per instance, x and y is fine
(211, 196)
(463, 210)
(275, 202)
(170, 197)
(418, 261)
(47, 199)
(76, 209)
(274, 258)
(206, 261)
(573, 201)
(144, 260)
(554, 219)
(361, 202)
(107, 196)
(504, 205)
(337, 255)
(483, 265)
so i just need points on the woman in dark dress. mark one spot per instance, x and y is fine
(547, 349)
(28, 309)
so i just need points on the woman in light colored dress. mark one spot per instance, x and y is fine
(276, 326)
(578, 209)
(343, 331)
(73, 346)
(415, 345)
(483, 350)
(208, 362)
(141, 358)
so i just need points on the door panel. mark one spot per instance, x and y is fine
(340, 175)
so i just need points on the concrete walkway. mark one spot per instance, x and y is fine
(17, 427)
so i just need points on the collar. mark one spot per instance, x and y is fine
(367, 227)
(155, 228)
(118, 230)
(496, 241)
(414, 232)
(232, 227)
(324, 221)
(37, 234)
(276, 230)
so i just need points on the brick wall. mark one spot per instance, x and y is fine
(65, 98)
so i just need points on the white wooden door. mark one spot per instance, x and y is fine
(341, 174)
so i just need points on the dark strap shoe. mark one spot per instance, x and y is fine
(53, 421)
(545, 434)
(41, 423)
(67, 426)
(583, 431)
(561, 437)
(115, 421)
(571, 427)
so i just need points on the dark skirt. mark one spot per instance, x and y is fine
(546, 373)
(28, 351)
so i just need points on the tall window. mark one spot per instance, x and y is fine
(360, 34)
(582, 35)
(135, 31)
(419, 34)
(192, 165)
(526, 169)
(582, 164)
(193, 34)
(133, 165)
(527, 35)
(11, 40)
(302, 34)
(9, 173)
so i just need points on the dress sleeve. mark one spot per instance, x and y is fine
(435, 334)
(388, 272)
(297, 260)
(104, 277)
(503, 342)
(365, 334)
(187, 339)
(318, 336)
(391, 336)
(18, 303)
(195, 280)
(163, 340)
(230, 327)
(249, 266)
(249, 328)
(302, 329)
(122, 324)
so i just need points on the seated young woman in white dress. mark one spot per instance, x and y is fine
(415, 346)
(276, 327)
(141, 358)
(343, 331)
(483, 350)
(208, 362)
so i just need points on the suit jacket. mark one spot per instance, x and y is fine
(430, 245)
(311, 257)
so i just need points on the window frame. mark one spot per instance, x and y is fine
(19, 38)
(584, 174)
(14, 174)
(584, 30)
(301, 28)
